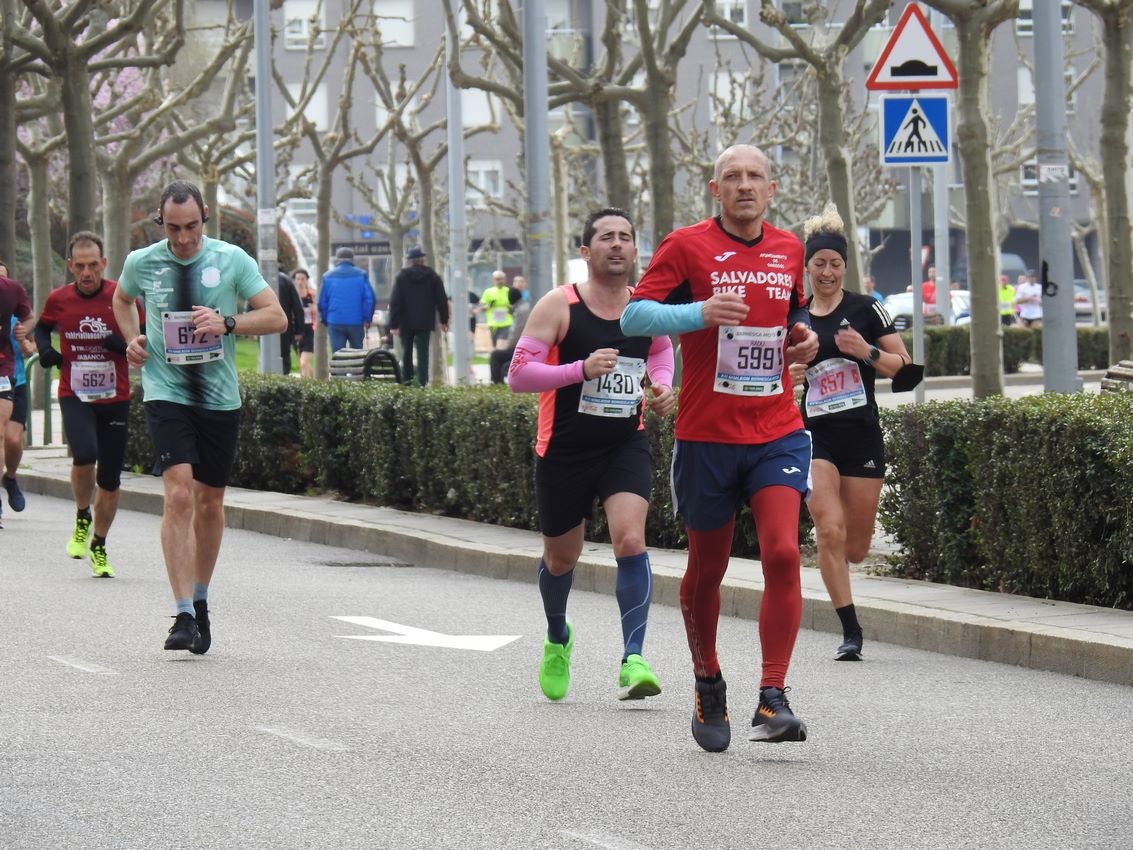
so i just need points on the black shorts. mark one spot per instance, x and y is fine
(565, 489)
(307, 340)
(856, 448)
(204, 438)
(97, 433)
(19, 405)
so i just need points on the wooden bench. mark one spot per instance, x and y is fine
(359, 364)
(1118, 378)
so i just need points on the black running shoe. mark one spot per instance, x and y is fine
(204, 630)
(16, 500)
(774, 721)
(710, 726)
(851, 648)
(182, 633)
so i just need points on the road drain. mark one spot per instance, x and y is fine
(363, 564)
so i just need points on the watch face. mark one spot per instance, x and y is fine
(229, 324)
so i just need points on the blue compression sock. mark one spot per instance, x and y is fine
(634, 589)
(185, 606)
(555, 590)
(200, 592)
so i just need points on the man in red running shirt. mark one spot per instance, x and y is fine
(732, 287)
(94, 392)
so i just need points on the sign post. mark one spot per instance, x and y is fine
(914, 131)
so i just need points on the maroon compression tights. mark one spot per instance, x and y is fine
(776, 511)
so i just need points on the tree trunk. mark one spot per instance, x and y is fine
(560, 206)
(979, 203)
(322, 227)
(210, 186)
(1118, 39)
(79, 123)
(117, 205)
(8, 169)
(839, 168)
(608, 119)
(658, 141)
(39, 223)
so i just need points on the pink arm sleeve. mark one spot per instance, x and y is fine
(530, 373)
(660, 362)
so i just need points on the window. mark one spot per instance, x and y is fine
(485, 180)
(476, 108)
(729, 99)
(735, 11)
(299, 17)
(396, 22)
(1025, 23)
(1026, 88)
(316, 111)
(795, 12)
(1029, 178)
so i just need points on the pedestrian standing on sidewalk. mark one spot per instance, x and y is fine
(346, 302)
(306, 343)
(417, 305)
(94, 392)
(591, 443)
(191, 285)
(14, 305)
(732, 287)
(856, 343)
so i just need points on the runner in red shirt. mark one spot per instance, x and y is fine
(13, 303)
(94, 392)
(732, 287)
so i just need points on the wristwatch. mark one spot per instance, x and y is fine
(229, 325)
(874, 354)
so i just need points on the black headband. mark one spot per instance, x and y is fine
(820, 241)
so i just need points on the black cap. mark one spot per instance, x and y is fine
(415, 253)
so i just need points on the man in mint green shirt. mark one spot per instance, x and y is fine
(190, 286)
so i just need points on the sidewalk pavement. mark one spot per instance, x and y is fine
(1077, 640)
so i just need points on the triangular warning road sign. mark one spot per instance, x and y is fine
(913, 58)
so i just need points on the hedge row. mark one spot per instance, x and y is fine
(464, 452)
(948, 349)
(1028, 496)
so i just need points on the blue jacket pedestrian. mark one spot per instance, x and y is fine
(346, 302)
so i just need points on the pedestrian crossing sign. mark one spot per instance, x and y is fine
(915, 129)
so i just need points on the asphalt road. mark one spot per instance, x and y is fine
(288, 734)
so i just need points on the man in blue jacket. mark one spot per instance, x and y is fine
(346, 302)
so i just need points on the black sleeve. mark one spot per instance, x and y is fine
(42, 334)
(442, 298)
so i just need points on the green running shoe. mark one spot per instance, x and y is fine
(98, 563)
(77, 545)
(637, 681)
(554, 672)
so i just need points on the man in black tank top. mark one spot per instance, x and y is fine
(591, 443)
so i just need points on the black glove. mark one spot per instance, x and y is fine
(50, 357)
(115, 343)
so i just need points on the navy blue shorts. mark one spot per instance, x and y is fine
(712, 480)
(565, 489)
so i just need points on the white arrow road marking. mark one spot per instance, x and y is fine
(85, 666)
(302, 740)
(607, 842)
(422, 637)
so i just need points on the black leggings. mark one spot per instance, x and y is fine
(97, 432)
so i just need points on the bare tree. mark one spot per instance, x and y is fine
(974, 21)
(340, 142)
(72, 43)
(138, 130)
(643, 48)
(1117, 33)
(825, 50)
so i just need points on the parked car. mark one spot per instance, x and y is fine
(1084, 304)
(900, 309)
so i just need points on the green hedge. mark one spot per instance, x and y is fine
(948, 349)
(1028, 496)
(466, 452)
